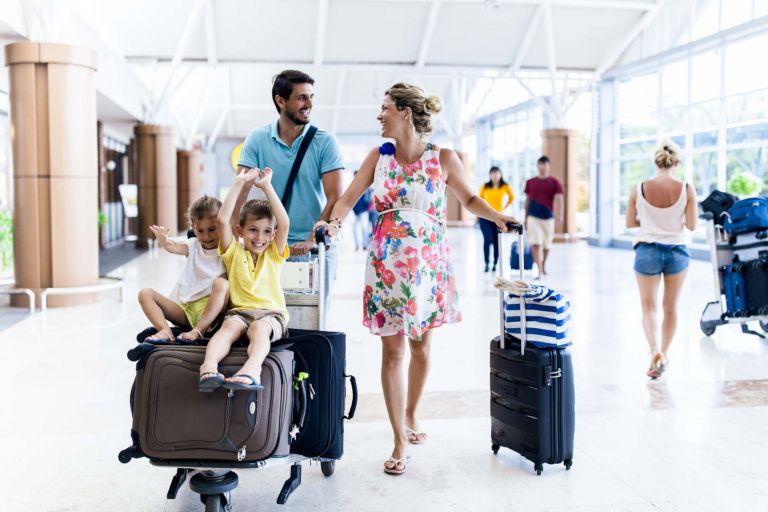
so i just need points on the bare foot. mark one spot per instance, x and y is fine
(191, 336)
(254, 370)
(207, 371)
(398, 462)
(164, 335)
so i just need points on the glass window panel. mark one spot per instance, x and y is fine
(761, 8)
(735, 13)
(638, 96)
(705, 139)
(705, 172)
(638, 127)
(679, 140)
(632, 173)
(743, 73)
(673, 119)
(499, 144)
(751, 133)
(705, 76)
(706, 18)
(644, 149)
(750, 161)
(746, 107)
(674, 84)
(704, 115)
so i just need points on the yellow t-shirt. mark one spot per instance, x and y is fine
(255, 287)
(495, 196)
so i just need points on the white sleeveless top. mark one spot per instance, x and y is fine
(662, 225)
(202, 268)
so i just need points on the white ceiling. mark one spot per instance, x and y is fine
(215, 58)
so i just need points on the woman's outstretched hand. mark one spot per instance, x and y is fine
(502, 220)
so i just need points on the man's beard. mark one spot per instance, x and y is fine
(294, 117)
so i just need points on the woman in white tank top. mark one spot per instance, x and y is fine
(665, 211)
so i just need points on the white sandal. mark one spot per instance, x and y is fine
(395, 462)
(413, 436)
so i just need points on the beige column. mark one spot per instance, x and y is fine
(55, 168)
(456, 214)
(561, 146)
(189, 181)
(156, 158)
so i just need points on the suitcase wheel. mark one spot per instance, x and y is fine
(568, 464)
(328, 467)
(539, 468)
(495, 448)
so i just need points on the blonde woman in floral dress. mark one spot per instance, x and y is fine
(410, 288)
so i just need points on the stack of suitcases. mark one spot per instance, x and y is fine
(745, 279)
(532, 390)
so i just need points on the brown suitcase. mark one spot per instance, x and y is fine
(173, 421)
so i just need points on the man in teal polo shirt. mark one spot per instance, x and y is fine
(318, 184)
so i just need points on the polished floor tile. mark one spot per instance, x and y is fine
(691, 441)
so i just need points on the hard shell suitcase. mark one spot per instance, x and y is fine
(735, 290)
(321, 357)
(750, 246)
(755, 274)
(532, 394)
(173, 421)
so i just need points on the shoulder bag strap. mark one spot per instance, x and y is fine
(286, 199)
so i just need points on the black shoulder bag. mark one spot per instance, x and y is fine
(286, 199)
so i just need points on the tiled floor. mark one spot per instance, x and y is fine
(693, 441)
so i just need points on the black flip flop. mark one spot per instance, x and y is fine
(253, 386)
(211, 383)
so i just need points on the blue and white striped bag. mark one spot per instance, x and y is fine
(547, 315)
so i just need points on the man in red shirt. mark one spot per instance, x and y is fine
(543, 206)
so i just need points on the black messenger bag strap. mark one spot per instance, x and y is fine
(286, 199)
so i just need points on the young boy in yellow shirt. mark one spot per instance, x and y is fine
(253, 270)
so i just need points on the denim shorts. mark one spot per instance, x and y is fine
(655, 259)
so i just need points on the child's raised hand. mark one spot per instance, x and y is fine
(161, 233)
(248, 176)
(264, 179)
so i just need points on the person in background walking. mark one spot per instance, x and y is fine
(543, 206)
(494, 191)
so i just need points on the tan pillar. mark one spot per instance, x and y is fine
(561, 146)
(55, 168)
(189, 181)
(157, 180)
(456, 214)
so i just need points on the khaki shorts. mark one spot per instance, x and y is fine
(540, 231)
(276, 319)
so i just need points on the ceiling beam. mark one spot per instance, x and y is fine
(340, 86)
(210, 33)
(216, 130)
(429, 31)
(178, 55)
(551, 60)
(635, 31)
(630, 5)
(322, 25)
(533, 26)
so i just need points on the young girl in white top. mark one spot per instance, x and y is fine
(199, 297)
(663, 208)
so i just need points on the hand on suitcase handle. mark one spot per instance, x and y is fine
(513, 226)
(321, 235)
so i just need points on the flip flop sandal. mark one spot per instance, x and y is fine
(657, 367)
(211, 383)
(253, 386)
(394, 470)
(415, 437)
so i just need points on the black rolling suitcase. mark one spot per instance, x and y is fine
(532, 395)
(321, 357)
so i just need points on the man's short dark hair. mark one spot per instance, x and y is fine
(544, 159)
(282, 84)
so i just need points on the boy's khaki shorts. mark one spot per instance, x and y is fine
(275, 318)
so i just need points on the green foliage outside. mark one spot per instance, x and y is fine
(745, 184)
(6, 240)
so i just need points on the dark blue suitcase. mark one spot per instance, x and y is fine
(322, 356)
(527, 258)
(747, 215)
(735, 290)
(532, 402)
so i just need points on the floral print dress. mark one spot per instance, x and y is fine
(409, 282)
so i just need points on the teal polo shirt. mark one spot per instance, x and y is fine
(264, 148)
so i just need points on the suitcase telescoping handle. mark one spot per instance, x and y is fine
(520, 230)
(323, 241)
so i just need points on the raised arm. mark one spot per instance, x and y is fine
(278, 210)
(360, 183)
(456, 181)
(242, 198)
(630, 217)
(161, 233)
(226, 212)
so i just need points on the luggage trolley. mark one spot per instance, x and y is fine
(716, 312)
(215, 480)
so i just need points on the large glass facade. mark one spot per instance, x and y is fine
(711, 100)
